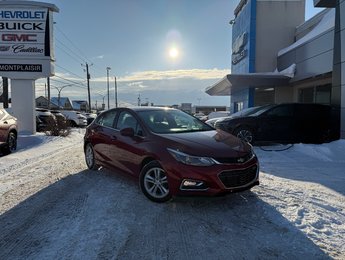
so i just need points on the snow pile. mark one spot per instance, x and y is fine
(306, 185)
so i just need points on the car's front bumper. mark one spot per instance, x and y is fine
(212, 180)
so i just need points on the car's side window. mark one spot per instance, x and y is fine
(127, 120)
(107, 119)
(281, 111)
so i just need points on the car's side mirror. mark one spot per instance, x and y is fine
(128, 131)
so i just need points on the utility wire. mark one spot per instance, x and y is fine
(74, 45)
(78, 76)
(80, 58)
(71, 81)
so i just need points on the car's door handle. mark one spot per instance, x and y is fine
(113, 137)
(5, 122)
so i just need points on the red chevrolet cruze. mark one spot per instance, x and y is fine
(170, 152)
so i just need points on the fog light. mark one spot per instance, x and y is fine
(193, 185)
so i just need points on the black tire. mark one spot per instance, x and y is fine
(154, 183)
(11, 143)
(72, 123)
(90, 157)
(245, 134)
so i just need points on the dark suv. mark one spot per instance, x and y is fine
(285, 123)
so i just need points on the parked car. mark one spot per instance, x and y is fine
(243, 112)
(75, 118)
(8, 132)
(170, 152)
(282, 123)
(90, 117)
(218, 114)
(44, 119)
(201, 116)
(60, 118)
(213, 121)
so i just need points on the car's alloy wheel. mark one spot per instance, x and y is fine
(90, 157)
(154, 182)
(245, 134)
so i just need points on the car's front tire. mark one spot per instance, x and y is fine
(90, 157)
(154, 182)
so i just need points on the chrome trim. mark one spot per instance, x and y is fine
(191, 189)
(238, 163)
(243, 186)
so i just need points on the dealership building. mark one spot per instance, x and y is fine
(279, 57)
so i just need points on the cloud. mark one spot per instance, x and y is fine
(160, 87)
(152, 75)
(175, 74)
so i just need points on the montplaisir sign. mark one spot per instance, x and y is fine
(26, 44)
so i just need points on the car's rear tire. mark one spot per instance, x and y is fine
(90, 157)
(245, 134)
(11, 143)
(154, 182)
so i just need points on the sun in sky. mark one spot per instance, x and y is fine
(173, 53)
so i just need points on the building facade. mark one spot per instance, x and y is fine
(278, 57)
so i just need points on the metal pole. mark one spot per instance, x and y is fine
(115, 93)
(5, 92)
(108, 68)
(88, 86)
(48, 85)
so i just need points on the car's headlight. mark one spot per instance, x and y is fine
(191, 160)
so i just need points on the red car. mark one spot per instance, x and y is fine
(170, 152)
(8, 132)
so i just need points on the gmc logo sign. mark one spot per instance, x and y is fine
(19, 37)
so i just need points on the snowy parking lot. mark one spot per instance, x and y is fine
(53, 207)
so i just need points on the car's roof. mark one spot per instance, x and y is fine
(150, 108)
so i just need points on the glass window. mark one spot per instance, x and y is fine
(107, 119)
(171, 121)
(323, 94)
(318, 94)
(281, 111)
(306, 95)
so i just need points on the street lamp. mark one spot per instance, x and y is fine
(108, 68)
(59, 91)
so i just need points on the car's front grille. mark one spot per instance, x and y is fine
(238, 178)
(229, 160)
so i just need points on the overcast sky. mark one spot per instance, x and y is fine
(166, 51)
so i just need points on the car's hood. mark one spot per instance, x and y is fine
(216, 143)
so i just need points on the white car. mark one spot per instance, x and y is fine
(75, 118)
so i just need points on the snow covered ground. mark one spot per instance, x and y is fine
(52, 207)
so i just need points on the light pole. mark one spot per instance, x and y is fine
(115, 93)
(59, 91)
(108, 68)
(103, 97)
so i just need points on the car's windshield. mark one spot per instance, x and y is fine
(171, 121)
(248, 111)
(261, 110)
